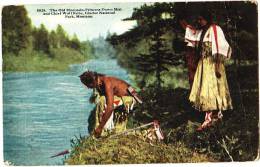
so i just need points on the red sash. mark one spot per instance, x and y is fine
(215, 35)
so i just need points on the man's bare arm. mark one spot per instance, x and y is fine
(109, 94)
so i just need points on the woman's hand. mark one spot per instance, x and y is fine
(218, 75)
(217, 71)
(217, 66)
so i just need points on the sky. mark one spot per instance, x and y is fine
(85, 28)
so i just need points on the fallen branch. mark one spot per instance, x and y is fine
(130, 130)
(224, 145)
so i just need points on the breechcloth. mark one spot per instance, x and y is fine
(118, 119)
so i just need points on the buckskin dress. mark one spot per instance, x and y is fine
(208, 92)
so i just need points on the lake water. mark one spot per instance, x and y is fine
(43, 111)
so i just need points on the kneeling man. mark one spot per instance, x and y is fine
(110, 93)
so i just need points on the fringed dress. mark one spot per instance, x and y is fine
(208, 92)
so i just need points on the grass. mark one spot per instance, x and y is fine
(131, 149)
(33, 61)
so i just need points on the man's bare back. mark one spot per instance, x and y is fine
(118, 86)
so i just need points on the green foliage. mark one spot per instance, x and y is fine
(159, 59)
(53, 39)
(31, 60)
(74, 42)
(41, 39)
(148, 49)
(130, 149)
(150, 13)
(61, 36)
(226, 141)
(247, 46)
(27, 48)
(87, 49)
(16, 28)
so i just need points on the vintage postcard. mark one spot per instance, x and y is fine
(130, 82)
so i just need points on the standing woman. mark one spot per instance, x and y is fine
(210, 92)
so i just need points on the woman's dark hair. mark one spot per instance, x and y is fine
(206, 14)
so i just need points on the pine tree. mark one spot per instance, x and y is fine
(41, 39)
(16, 29)
(74, 42)
(62, 36)
(159, 59)
(53, 39)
